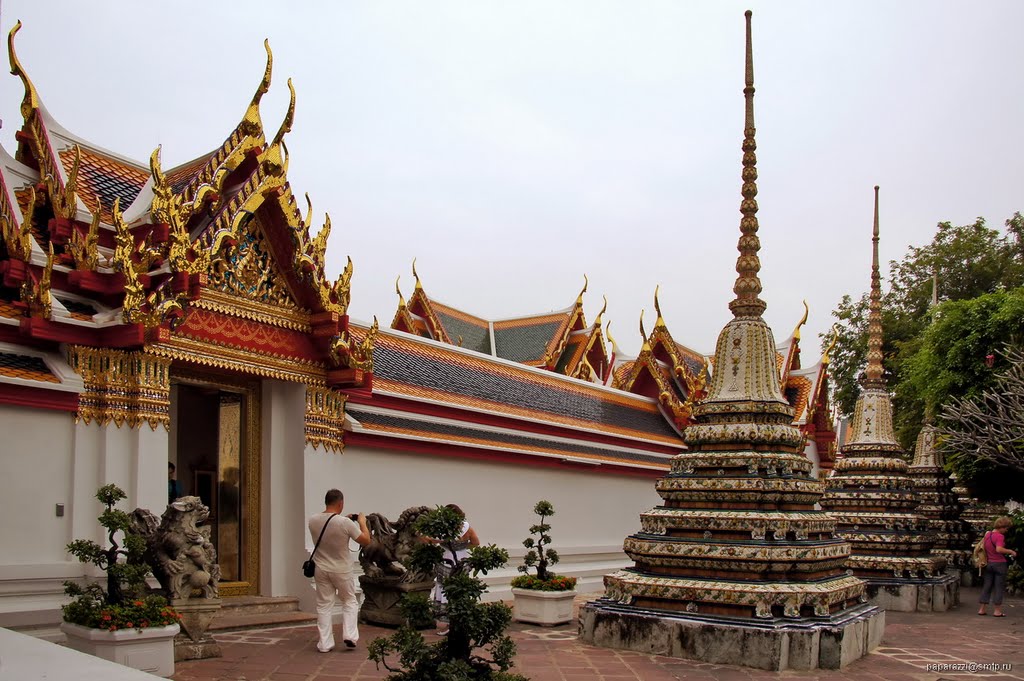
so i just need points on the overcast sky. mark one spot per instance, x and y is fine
(512, 147)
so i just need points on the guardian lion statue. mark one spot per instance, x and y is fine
(179, 550)
(390, 545)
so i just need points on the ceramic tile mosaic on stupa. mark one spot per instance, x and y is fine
(940, 505)
(736, 554)
(872, 497)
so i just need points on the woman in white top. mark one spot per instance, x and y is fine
(467, 539)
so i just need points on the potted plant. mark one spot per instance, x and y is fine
(121, 623)
(544, 597)
(475, 647)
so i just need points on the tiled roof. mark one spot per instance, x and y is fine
(102, 176)
(798, 391)
(7, 309)
(528, 339)
(571, 354)
(694, 361)
(78, 309)
(181, 176)
(473, 331)
(425, 370)
(25, 366)
(391, 424)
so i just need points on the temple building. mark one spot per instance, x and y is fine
(874, 501)
(939, 503)
(736, 565)
(183, 314)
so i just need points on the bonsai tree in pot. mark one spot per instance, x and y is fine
(542, 597)
(476, 647)
(103, 621)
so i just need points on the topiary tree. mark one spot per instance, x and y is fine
(539, 556)
(476, 647)
(127, 578)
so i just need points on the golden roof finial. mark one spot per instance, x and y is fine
(251, 122)
(657, 307)
(826, 356)
(874, 374)
(309, 212)
(803, 320)
(643, 333)
(276, 156)
(586, 282)
(401, 298)
(419, 285)
(597, 319)
(748, 286)
(30, 102)
(608, 332)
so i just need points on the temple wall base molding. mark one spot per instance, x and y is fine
(776, 645)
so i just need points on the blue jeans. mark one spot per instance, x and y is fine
(994, 583)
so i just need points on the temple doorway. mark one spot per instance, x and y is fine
(215, 445)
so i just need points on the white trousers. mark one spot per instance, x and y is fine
(331, 585)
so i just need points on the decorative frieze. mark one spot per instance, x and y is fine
(325, 418)
(122, 387)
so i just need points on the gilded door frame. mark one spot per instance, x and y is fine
(252, 456)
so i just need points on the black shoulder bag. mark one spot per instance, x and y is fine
(309, 567)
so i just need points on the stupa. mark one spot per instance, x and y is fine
(940, 505)
(736, 566)
(873, 499)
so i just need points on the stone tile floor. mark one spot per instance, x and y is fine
(913, 641)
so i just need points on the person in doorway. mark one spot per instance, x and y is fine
(335, 577)
(994, 580)
(173, 486)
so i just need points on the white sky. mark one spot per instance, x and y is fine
(513, 147)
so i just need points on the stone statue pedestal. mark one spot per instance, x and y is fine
(381, 596)
(194, 642)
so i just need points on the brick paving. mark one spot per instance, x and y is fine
(912, 642)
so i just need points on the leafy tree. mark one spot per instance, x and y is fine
(476, 647)
(983, 433)
(970, 261)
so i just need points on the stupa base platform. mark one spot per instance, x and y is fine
(936, 594)
(774, 644)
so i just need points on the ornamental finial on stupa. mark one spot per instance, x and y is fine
(748, 287)
(874, 374)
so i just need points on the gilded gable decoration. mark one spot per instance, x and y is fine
(248, 270)
(122, 387)
(18, 240)
(325, 418)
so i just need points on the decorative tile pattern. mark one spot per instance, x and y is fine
(28, 367)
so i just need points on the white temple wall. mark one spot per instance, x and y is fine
(594, 511)
(48, 460)
(811, 452)
(282, 497)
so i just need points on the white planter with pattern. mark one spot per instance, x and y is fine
(546, 608)
(149, 650)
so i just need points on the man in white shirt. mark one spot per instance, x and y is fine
(335, 577)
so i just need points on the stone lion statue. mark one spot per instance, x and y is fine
(178, 549)
(390, 545)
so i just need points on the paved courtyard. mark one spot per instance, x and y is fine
(912, 643)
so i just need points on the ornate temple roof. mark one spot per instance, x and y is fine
(559, 341)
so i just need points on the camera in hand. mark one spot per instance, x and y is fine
(354, 517)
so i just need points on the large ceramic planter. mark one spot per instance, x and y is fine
(547, 608)
(149, 650)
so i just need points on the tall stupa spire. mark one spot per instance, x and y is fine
(748, 286)
(736, 550)
(872, 498)
(874, 374)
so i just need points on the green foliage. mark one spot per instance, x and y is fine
(552, 583)
(539, 556)
(1015, 541)
(970, 260)
(123, 603)
(476, 647)
(90, 609)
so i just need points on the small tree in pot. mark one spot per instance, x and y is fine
(543, 597)
(103, 621)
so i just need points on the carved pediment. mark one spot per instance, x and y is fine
(249, 271)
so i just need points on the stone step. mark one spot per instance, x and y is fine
(225, 622)
(254, 605)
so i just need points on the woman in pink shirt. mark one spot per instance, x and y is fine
(994, 583)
